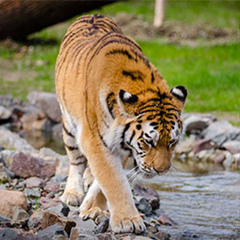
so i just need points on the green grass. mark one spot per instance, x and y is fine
(211, 73)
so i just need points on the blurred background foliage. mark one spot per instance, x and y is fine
(197, 46)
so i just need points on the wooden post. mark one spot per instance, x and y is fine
(159, 13)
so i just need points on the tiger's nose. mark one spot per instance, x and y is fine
(161, 170)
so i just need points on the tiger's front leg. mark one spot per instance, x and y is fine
(108, 172)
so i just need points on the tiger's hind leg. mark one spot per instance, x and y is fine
(74, 192)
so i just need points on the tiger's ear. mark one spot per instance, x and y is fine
(127, 97)
(126, 102)
(179, 95)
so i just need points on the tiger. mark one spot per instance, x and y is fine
(115, 107)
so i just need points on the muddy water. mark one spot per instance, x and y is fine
(204, 203)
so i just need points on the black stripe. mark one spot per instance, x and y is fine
(71, 148)
(121, 51)
(67, 132)
(111, 101)
(152, 77)
(131, 138)
(134, 75)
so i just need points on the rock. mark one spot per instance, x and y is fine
(88, 224)
(10, 199)
(25, 166)
(161, 235)
(33, 121)
(8, 233)
(50, 202)
(4, 177)
(149, 194)
(48, 103)
(20, 216)
(34, 182)
(52, 187)
(50, 218)
(218, 156)
(203, 145)
(57, 131)
(196, 123)
(35, 220)
(185, 146)
(61, 209)
(12, 141)
(144, 207)
(221, 132)
(49, 232)
(62, 160)
(5, 221)
(232, 146)
(6, 157)
(102, 227)
(5, 114)
(74, 234)
(227, 163)
(32, 192)
(87, 235)
(236, 158)
(141, 238)
(165, 220)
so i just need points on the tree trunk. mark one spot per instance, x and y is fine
(159, 13)
(19, 18)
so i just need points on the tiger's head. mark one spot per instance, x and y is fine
(153, 127)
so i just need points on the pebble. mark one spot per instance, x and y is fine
(52, 187)
(20, 216)
(49, 232)
(34, 182)
(32, 192)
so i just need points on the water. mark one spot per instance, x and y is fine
(205, 204)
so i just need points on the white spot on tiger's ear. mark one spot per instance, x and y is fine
(127, 96)
(179, 92)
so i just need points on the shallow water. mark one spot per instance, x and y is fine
(205, 204)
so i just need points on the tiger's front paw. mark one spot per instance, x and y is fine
(93, 213)
(72, 197)
(127, 224)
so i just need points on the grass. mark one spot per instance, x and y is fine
(211, 73)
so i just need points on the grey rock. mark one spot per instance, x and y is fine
(110, 236)
(20, 216)
(8, 233)
(57, 131)
(149, 194)
(49, 232)
(35, 220)
(165, 220)
(227, 163)
(221, 132)
(32, 192)
(5, 113)
(61, 209)
(13, 141)
(144, 207)
(34, 182)
(5, 221)
(85, 234)
(48, 103)
(4, 177)
(102, 227)
(185, 146)
(6, 157)
(232, 146)
(89, 224)
(236, 158)
(59, 178)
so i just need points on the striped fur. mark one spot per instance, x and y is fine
(115, 106)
